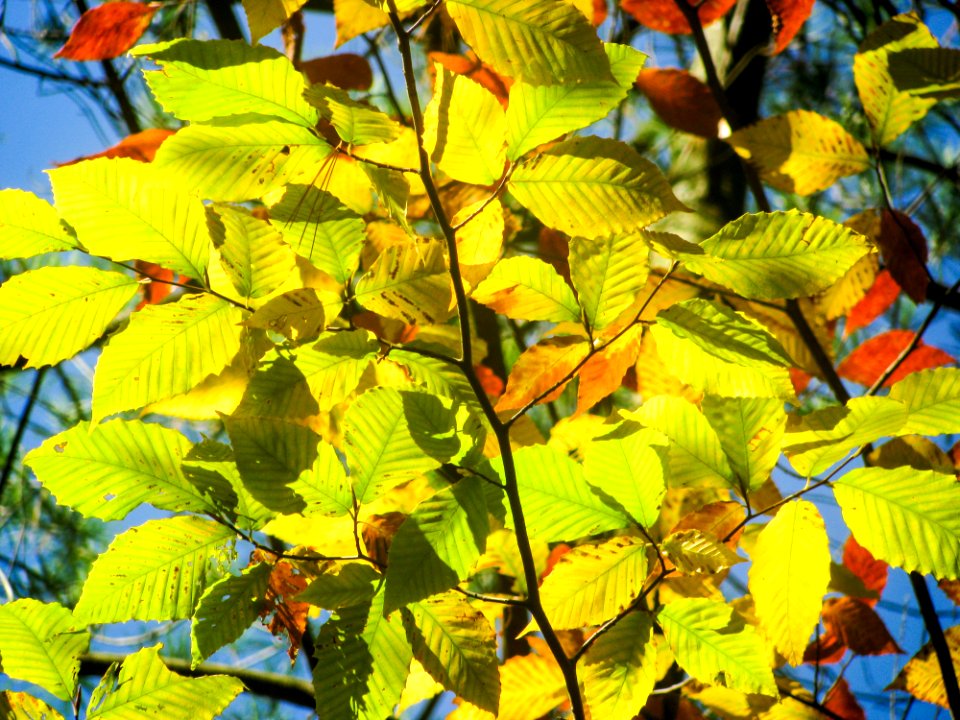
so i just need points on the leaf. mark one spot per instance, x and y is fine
(41, 643)
(592, 583)
(263, 16)
(921, 676)
(127, 210)
(714, 644)
(541, 367)
(602, 374)
(355, 17)
(355, 584)
(681, 100)
(664, 15)
(789, 577)
(538, 114)
(226, 609)
(788, 17)
(629, 465)
(904, 516)
(409, 282)
(904, 250)
(156, 571)
(527, 288)
(107, 31)
(356, 123)
(242, 158)
(800, 151)
(607, 276)
(438, 544)
(878, 299)
(530, 687)
(105, 471)
(253, 253)
(558, 502)
(821, 438)
(778, 255)
(345, 70)
(144, 687)
(721, 351)
(926, 72)
(593, 187)
(23, 706)
(458, 647)
(889, 110)
(29, 226)
(932, 399)
(869, 360)
(52, 313)
(140, 146)
(750, 432)
(858, 626)
(542, 43)
(619, 669)
(334, 364)
(298, 315)
(695, 552)
(325, 487)
(464, 129)
(870, 571)
(165, 350)
(844, 703)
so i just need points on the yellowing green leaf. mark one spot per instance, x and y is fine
(608, 274)
(720, 351)
(354, 584)
(714, 644)
(695, 552)
(789, 577)
(297, 315)
(409, 282)
(750, 431)
(772, 256)
(932, 399)
(926, 72)
(922, 677)
(527, 288)
(355, 122)
(542, 43)
(592, 187)
(905, 516)
(156, 571)
(325, 487)
(41, 643)
(253, 253)
(542, 371)
(52, 313)
(166, 350)
(24, 706)
(266, 15)
(29, 226)
(800, 151)
(620, 668)
(333, 365)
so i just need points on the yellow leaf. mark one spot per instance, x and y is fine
(265, 15)
(790, 573)
(355, 17)
(480, 240)
(543, 369)
(921, 676)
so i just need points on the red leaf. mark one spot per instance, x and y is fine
(867, 362)
(904, 251)
(800, 379)
(140, 146)
(491, 384)
(107, 31)
(664, 16)
(155, 291)
(681, 101)
(346, 70)
(872, 572)
(558, 552)
(599, 12)
(842, 702)
(858, 627)
(470, 66)
(788, 17)
(825, 650)
(555, 249)
(879, 297)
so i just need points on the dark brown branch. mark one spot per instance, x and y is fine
(14, 450)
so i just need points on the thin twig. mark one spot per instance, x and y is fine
(492, 598)
(14, 450)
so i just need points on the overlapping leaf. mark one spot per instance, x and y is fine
(333, 365)
(253, 253)
(354, 584)
(226, 609)
(325, 487)
(926, 72)
(527, 288)
(29, 226)
(298, 314)
(608, 274)
(355, 122)
(932, 399)
(922, 677)
(619, 669)
(409, 282)
(750, 431)
(266, 15)
(542, 371)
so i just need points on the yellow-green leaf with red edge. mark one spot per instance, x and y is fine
(869, 360)
(527, 288)
(789, 577)
(800, 151)
(603, 373)
(108, 30)
(665, 16)
(266, 15)
(681, 100)
(543, 370)
(921, 676)
(788, 17)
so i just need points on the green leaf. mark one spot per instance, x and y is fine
(156, 571)
(363, 659)
(592, 583)
(145, 688)
(926, 72)
(750, 431)
(52, 313)
(721, 352)
(620, 669)
(209, 467)
(778, 255)
(355, 584)
(334, 364)
(41, 643)
(815, 441)
(593, 187)
(905, 516)
(321, 229)
(932, 399)
(457, 645)
(629, 465)
(714, 644)
(608, 274)
(202, 80)
(128, 210)
(542, 43)
(29, 226)
(538, 114)
(438, 544)
(527, 288)
(356, 123)
(325, 487)
(253, 253)
(227, 608)
(105, 471)
(242, 158)
(558, 502)
(165, 350)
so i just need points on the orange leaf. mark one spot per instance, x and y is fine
(825, 650)
(681, 101)
(800, 379)
(842, 702)
(879, 297)
(664, 16)
(951, 589)
(289, 616)
(558, 552)
(491, 384)
(346, 70)
(904, 251)
(539, 368)
(788, 17)
(868, 361)
(603, 373)
(140, 146)
(599, 12)
(858, 627)
(107, 31)
(159, 287)
(471, 66)
(717, 518)
(378, 532)
(872, 572)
